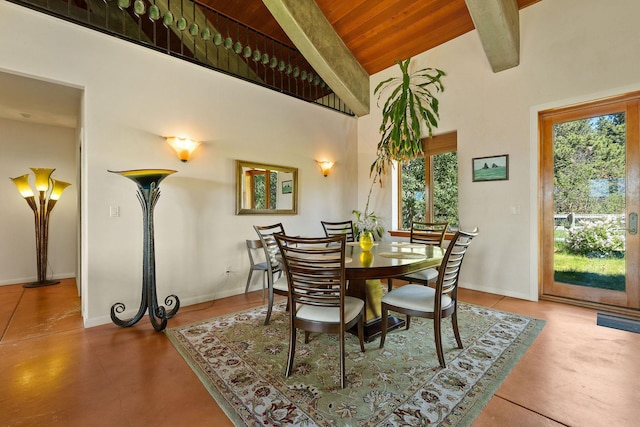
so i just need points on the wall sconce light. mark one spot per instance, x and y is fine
(326, 166)
(49, 192)
(184, 147)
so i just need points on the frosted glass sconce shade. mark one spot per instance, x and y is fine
(325, 166)
(184, 147)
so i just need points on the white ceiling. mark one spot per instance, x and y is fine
(38, 101)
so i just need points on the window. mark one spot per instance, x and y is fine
(260, 180)
(428, 186)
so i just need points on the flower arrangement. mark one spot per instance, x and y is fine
(366, 221)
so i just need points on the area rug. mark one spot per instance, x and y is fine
(242, 363)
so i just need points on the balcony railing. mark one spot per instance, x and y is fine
(194, 32)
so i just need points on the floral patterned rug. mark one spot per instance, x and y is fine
(242, 364)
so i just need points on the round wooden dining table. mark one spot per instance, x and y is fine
(364, 269)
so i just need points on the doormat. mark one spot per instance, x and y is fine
(618, 322)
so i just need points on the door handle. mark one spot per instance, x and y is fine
(633, 223)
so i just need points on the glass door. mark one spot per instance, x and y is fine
(590, 162)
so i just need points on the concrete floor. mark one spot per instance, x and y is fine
(55, 372)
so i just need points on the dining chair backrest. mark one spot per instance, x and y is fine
(253, 245)
(315, 271)
(449, 271)
(429, 233)
(339, 227)
(266, 233)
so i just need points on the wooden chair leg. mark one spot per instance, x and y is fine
(384, 319)
(456, 332)
(269, 306)
(361, 332)
(342, 350)
(437, 323)
(389, 285)
(407, 322)
(292, 350)
(306, 337)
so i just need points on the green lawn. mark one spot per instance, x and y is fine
(603, 273)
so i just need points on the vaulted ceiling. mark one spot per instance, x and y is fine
(377, 32)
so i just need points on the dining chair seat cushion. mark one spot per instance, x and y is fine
(415, 297)
(352, 307)
(428, 274)
(281, 284)
(261, 266)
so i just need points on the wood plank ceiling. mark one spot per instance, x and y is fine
(377, 32)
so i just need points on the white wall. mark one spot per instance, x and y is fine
(569, 53)
(24, 145)
(133, 97)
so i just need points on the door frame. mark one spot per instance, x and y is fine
(630, 103)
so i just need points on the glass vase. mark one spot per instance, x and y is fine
(366, 240)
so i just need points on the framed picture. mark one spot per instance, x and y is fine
(287, 187)
(491, 168)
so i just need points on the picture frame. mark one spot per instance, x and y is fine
(490, 168)
(287, 187)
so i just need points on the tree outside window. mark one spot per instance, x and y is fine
(445, 188)
(429, 185)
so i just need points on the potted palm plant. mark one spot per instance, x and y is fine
(410, 104)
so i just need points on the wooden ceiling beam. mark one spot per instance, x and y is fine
(498, 25)
(313, 35)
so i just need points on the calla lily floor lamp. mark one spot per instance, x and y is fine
(49, 191)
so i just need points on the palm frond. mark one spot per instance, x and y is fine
(410, 104)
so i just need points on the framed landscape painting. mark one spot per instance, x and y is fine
(491, 168)
(287, 187)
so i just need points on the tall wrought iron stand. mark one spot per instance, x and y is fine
(148, 181)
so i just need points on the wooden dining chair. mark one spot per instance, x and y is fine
(436, 304)
(315, 272)
(339, 227)
(427, 233)
(271, 251)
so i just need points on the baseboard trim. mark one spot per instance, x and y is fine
(623, 311)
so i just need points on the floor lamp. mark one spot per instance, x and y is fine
(49, 192)
(148, 181)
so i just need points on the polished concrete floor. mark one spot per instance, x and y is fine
(55, 372)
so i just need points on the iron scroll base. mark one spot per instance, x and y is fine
(148, 194)
(158, 315)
